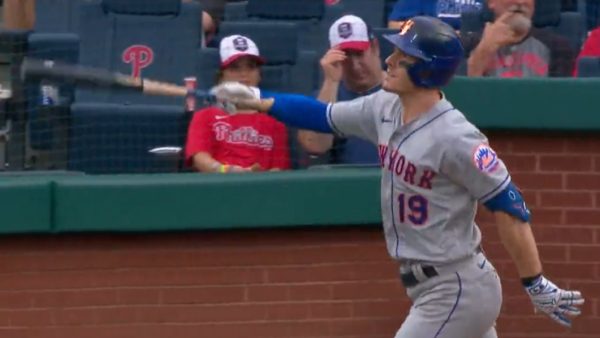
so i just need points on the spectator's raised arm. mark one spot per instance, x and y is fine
(19, 14)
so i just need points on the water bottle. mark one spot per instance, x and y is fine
(190, 100)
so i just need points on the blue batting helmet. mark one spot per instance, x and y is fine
(434, 44)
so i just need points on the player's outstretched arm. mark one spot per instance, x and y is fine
(517, 237)
(350, 118)
(296, 110)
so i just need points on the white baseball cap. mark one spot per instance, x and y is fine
(234, 47)
(349, 32)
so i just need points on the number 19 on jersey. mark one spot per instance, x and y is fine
(412, 208)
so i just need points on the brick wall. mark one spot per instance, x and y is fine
(301, 283)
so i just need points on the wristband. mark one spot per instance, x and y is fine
(528, 281)
(223, 168)
(219, 167)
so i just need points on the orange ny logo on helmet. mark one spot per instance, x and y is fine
(406, 26)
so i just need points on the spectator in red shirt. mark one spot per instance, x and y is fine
(219, 142)
(591, 47)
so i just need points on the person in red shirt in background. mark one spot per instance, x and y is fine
(223, 143)
(591, 47)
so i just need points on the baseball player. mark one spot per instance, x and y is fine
(436, 167)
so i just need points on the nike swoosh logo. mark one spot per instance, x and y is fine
(482, 264)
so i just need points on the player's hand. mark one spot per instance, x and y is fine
(236, 98)
(558, 304)
(500, 33)
(331, 63)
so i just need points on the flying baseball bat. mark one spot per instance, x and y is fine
(95, 77)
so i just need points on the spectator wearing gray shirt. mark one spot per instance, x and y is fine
(510, 47)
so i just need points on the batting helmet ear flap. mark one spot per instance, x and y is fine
(418, 73)
(433, 74)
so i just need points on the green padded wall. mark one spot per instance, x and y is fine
(71, 202)
(25, 205)
(194, 201)
(540, 104)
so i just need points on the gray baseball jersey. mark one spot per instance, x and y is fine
(435, 170)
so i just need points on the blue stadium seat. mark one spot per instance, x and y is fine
(568, 5)
(389, 6)
(42, 124)
(286, 9)
(305, 74)
(590, 10)
(53, 38)
(312, 17)
(385, 47)
(547, 13)
(472, 21)
(114, 138)
(62, 47)
(112, 130)
(588, 67)
(235, 11)
(593, 12)
(287, 67)
(572, 26)
(151, 38)
(57, 16)
(372, 11)
(208, 64)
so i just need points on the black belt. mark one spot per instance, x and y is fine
(409, 279)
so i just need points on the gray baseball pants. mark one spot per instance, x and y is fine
(463, 301)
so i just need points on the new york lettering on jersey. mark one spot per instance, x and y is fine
(397, 164)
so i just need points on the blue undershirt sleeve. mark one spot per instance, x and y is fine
(301, 112)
